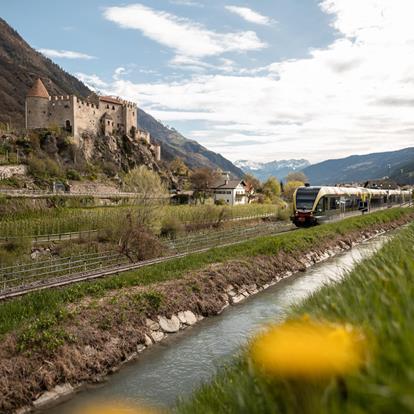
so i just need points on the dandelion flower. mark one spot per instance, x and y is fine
(114, 408)
(309, 350)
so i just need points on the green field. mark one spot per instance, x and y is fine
(19, 312)
(377, 296)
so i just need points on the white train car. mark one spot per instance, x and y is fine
(315, 205)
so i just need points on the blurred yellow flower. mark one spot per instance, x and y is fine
(108, 408)
(308, 349)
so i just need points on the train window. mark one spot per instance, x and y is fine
(305, 197)
(321, 207)
(333, 203)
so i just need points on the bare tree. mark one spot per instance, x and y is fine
(137, 239)
(253, 185)
(202, 179)
(297, 176)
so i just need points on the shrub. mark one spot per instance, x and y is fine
(138, 242)
(73, 175)
(109, 168)
(148, 301)
(171, 227)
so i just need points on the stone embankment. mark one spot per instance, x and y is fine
(103, 345)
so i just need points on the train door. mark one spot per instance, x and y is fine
(342, 206)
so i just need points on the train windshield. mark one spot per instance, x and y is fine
(305, 198)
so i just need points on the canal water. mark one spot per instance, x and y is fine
(174, 369)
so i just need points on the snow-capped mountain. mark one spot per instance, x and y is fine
(279, 169)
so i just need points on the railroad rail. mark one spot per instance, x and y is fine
(21, 279)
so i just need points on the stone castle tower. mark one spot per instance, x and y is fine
(109, 115)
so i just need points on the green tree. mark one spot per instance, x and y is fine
(271, 189)
(146, 183)
(289, 189)
(178, 167)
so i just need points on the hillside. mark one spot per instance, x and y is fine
(404, 174)
(359, 167)
(21, 65)
(279, 169)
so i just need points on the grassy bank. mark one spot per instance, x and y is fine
(16, 313)
(376, 296)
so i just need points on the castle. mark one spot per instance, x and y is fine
(77, 116)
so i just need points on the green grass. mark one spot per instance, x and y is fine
(378, 295)
(18, 312)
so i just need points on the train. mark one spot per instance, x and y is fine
(314, 205)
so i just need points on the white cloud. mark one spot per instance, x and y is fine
(250, 15)
(92, 81)
(186, 3)
(65, 54)
(354, 96)
(184, 36)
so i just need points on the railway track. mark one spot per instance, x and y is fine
(61, 281)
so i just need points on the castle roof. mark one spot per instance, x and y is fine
(111, 99)
(38, 90)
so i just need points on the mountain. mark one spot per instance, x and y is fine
(174, 145)
(358, 168)
(279, 169)
(21, 65)
(404, 174)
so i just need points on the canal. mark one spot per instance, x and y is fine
(175, 368)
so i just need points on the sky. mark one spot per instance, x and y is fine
(259, 80)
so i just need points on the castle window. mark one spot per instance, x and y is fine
(87, 103)
(68, 126)
(44, 112)
(113, 107)
(107, 106)
(133, 113)
(66, 106)
(109, 123)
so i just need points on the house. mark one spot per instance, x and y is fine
(228, 191)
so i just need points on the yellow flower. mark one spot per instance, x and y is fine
(308, 349)
(108, 408)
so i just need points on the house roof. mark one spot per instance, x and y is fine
(227, 184)
(38, 90)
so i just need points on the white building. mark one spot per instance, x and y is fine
(231, 192)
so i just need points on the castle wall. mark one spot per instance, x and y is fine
(60, 112)
(117, 113)
(130, 117)
(86, 118)
(36, 112)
